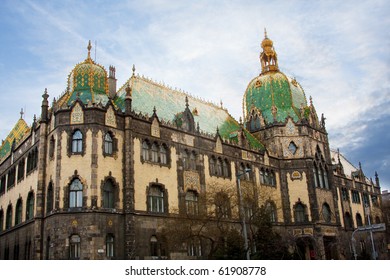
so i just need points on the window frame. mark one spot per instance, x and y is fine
(75, 195)
(77, 142)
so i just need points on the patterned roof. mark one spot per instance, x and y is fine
(147, 94)
(17, 133)
(276, 96)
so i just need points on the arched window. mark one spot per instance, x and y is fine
(108, 144)
(262, 176)
(225, 167)
(192, 207)
(74, 247)
(154, 152)
(163, 154)
(76, 194)
(193, 161)
(222, 205)
(271, 211)
(326, 213)
(315, 175)
(110, 245)
(108, 195)
(77, 142)
(153, 246)
(156, 200)
(326, 181)
(49, 198)
(21, 169)
(267, 177)
(52, 146)
(320, 177)
(186, 163)
(8, 218)
(219, 167)
(299, 213)
(145, 150)
(30, 206)
(359, 220)
(213, 169)
(272, 178)
(18, 212)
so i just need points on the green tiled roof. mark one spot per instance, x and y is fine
(17, 133)
(170, 103)
(274, 90)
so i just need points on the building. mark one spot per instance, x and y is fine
(103, 171)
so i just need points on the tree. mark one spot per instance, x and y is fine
(269, 243)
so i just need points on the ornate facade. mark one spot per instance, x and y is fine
(103, 172)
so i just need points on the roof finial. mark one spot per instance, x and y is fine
(133, 70)
(186, 101)
(265, 33)
(89, 49)
(21, 113)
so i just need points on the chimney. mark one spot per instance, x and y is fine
(111, 82)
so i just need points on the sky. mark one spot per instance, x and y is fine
(339, 51)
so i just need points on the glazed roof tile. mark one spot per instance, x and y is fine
(17, 133)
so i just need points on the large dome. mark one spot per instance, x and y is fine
(88, 81)
(272, 93)
(276, 96)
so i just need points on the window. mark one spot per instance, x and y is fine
(49, 198)
(213, 168)
(366, 200)
(344, 194)
(77, 142)
(271, 210)
(155, 153)
(108, 144)
(76, 194)
(359, 220)
(156, 199)
(18, 212)
(355, 197)
(194, 248)
(292, 148)
(74, 247)
(11, 178)
(108, 195)
(21, 169)
(2, 185)
(248, 208)
(163, 155)
(326, 213)
(109, 246)
(186, 164)
(262, 176)
(52, 147)
(315, 175)
(153, 246)
(348, 220)
(8, 218)
(145, 150)
(225, 167)
(299, 213)
(219, 167)
(374, 200)
(32, 160)
(222, 205)
(192, 203)
(320, 176)
(1, 220)
(30, 206)
(192, 164)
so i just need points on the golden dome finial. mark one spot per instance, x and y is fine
(89, 49)
(265, 33)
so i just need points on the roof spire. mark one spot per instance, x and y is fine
(21, 113)
(268, 57)
(133, 70)
(89, 49)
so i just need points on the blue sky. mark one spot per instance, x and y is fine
(337, 50)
